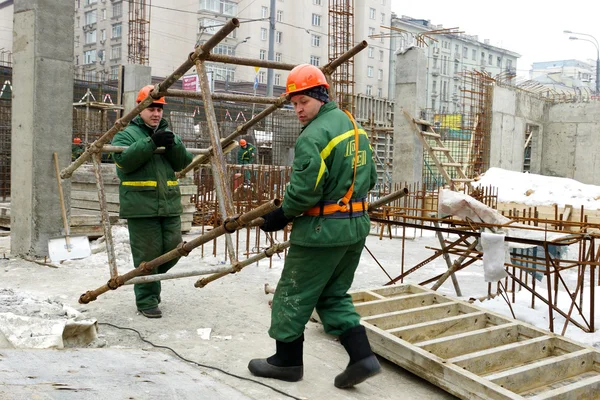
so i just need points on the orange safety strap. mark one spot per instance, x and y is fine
(333, 208)
(342, 204)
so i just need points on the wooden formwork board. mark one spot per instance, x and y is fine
(472, 352)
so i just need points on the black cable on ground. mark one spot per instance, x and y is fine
(199, 364)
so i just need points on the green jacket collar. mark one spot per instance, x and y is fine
(162, 125)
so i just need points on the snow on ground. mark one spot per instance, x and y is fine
(533, 189)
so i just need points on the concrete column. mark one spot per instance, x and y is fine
(135, 77)
(42, 120)
(411, 92)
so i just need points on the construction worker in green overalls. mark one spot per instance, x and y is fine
(332, 172)
(149, 193)
(245, 156)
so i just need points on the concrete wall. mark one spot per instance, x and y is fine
(512, 110)
(42, 120)
(411, 85)
(571, 146)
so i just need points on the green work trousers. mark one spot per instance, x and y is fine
(150, 238)
(315, 278)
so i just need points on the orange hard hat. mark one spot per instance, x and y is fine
(242, 142)
(145, 91)
(77, 140)
(304, 76)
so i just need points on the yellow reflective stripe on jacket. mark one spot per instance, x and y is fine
(139, 183)
(329, 148)
(148, 183)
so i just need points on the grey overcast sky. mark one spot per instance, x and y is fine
(532, 28)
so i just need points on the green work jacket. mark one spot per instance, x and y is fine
(148, 186)
(244, 155)
(323, 170)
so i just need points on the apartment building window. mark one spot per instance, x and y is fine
(103, 14)
(316, 40)
(371, 32)
(316, 20)
(370, 71)
(117, 10)
(465, 53)
(372, 13)
(434, 87)
(499, 61)
(115, 52)
(278, 57)
(90, 17)
(278, 35)
(77, 41)
(433, 104)
(383, 18)
(456, 66)
(223, 49)
(90, 37)
(263, 33)
(89, 57)
(380, 74)
(317, 2)
(262, 77)
(490, 59)
(482, 57)
(435, 60)
(277, 79)
(279, 15)
(264, 12)
(444, 91)
(77, 60)
(262, 55)
(380, 55)
(114, 72)
(103, 34)
(379, 92)
(474, 54)
(371, 51)
(219, 6)
(509, 64)
(381, 37)
(369, 90)
(316, 61)
(116, 31)
(89, 2)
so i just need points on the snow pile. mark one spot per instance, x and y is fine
(534, 189)
(31, 322)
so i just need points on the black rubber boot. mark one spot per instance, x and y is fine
(286, 364)
(363, 363)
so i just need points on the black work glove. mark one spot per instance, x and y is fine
(163, 139)
(274, 221)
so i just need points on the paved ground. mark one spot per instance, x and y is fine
(118, 365)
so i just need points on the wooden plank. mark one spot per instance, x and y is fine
(469, 342)
(430, 134)
(111, 198)
(584, 389)
(396, 319)
(441, 328)
(367, 295)
(508, 356)
(544, 372)
(398, 303)
(395, 290)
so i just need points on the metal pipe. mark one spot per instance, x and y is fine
(331, 66)
(108, 240)
(221, 96)
(108, 148)
(183, 249)
(251, 62)
(388, 199)
(175, 275)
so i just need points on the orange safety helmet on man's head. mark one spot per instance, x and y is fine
(76, 140)
(304, 76)
(145, 91)
(243, 142)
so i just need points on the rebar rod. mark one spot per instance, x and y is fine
(108, 239)
(237, 267)
(183, 249)
(217, 160)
